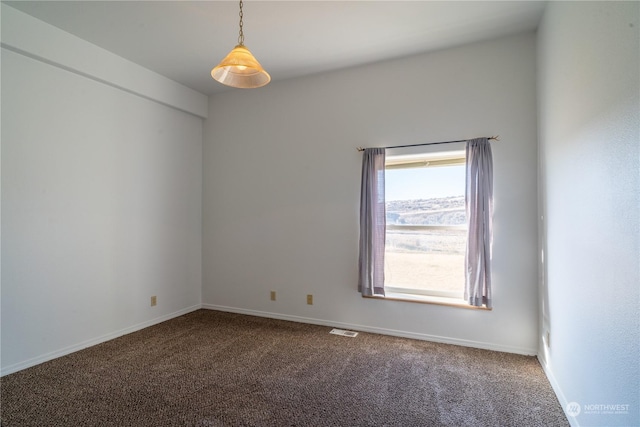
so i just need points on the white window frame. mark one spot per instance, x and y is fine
(411, 157)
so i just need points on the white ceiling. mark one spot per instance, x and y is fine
(183, 40)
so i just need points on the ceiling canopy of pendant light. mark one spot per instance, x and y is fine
(240, 68)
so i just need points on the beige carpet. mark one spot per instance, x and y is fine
(210, 368)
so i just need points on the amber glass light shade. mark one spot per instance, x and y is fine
(240, 69)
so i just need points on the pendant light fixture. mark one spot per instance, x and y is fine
(239, 68)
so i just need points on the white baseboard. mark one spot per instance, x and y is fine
(88, 343)
(376, 330)
(573, 421)
(362, 328)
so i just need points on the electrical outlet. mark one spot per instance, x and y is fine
(273, 295)
(310, 299)
(154, 301)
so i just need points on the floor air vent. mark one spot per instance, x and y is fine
(344, 333)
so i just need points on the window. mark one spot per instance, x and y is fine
(420, 217)
(426, 225)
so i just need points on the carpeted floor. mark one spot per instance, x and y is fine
(210, 368)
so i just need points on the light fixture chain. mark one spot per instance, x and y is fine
(241, 36)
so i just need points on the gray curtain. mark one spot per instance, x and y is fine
(372, 223)
(479, 205)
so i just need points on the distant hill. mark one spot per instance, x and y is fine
(437, 211)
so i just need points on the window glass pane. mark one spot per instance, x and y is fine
(429, 258)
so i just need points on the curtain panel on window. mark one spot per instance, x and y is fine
(372, 223)
(479, 206)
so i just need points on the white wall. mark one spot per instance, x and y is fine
(101, 203)
(589, 109)
(31, 37)
(282, 182)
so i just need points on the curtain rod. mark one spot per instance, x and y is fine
(496, 138)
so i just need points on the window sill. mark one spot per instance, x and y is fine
(427, 299)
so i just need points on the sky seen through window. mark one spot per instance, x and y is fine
(418, 183)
